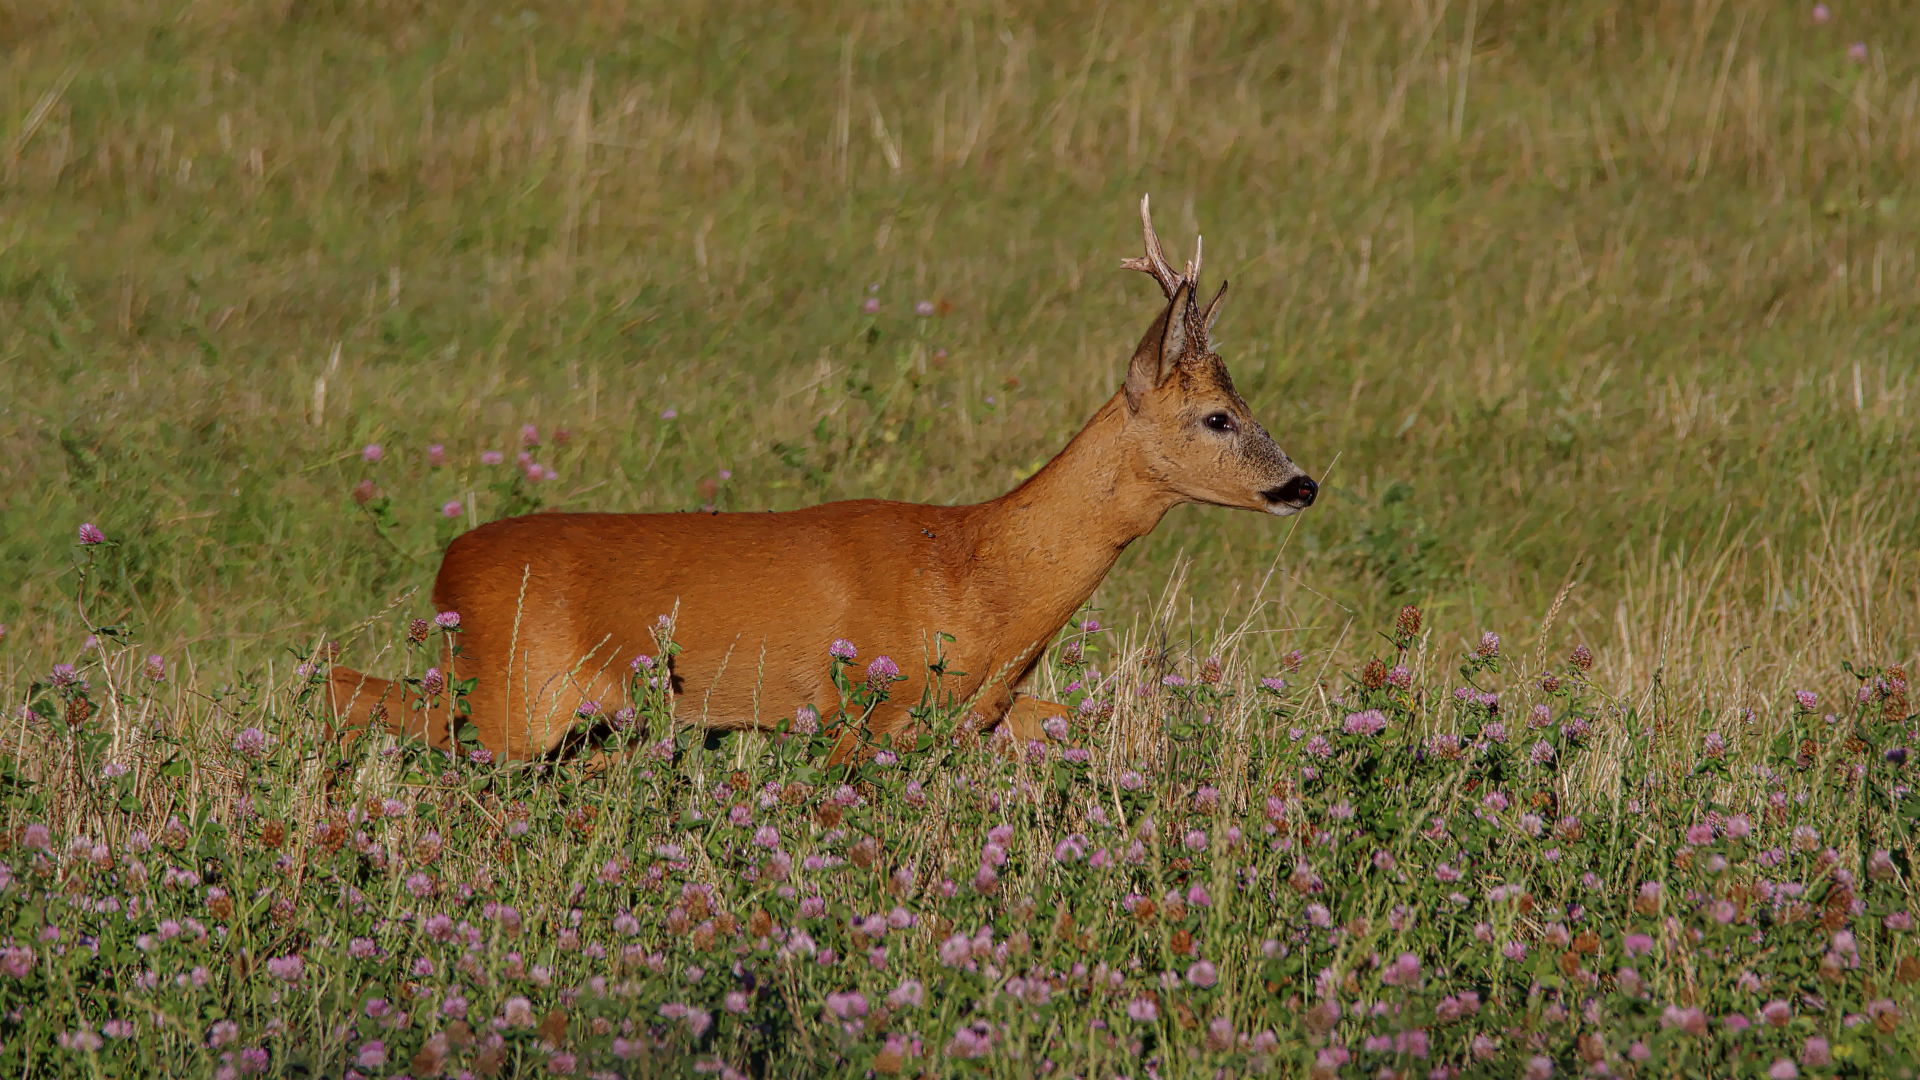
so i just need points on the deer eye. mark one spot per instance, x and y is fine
(1219, 422)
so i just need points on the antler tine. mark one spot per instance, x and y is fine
(1193, 267)
(1155, 260)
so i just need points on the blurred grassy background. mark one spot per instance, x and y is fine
(1613, 294)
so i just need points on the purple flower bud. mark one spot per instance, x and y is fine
(1070, 850)
(1371, 722)
(882, 672)
(253, 743)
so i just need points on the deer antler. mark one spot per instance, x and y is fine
(1199, 323)
(1155, 260)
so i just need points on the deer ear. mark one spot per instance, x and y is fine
(1160, 349)
(1213, 309)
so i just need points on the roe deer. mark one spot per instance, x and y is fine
(553, 606)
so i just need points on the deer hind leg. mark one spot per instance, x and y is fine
(1026, 715)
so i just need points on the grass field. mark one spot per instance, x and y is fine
(1595, 319)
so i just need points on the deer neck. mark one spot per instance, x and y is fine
(1047, 544)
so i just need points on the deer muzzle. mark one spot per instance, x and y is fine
(1295, 495)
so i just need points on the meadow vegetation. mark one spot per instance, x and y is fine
(1594, 319)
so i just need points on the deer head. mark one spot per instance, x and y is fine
(1195, 434)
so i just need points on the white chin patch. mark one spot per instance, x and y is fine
(1283, 510)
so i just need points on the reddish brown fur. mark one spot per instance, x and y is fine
(554, 606)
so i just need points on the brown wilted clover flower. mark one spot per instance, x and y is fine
(864, 853)
(580, 820)
(1407, 626)
(432, 1058)
(79, 709)
(760, 924)
(1302, 880)
(1581, 659)
(1374, 675)
(418, 631)
(1210, 670)
(272, 835)
(331, 834)
(1549, 683)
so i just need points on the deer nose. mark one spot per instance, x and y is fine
(1298, 491)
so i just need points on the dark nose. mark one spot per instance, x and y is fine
(1298, 491)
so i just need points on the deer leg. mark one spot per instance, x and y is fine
(886, 720)
(1026, 714)
(361, 701)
